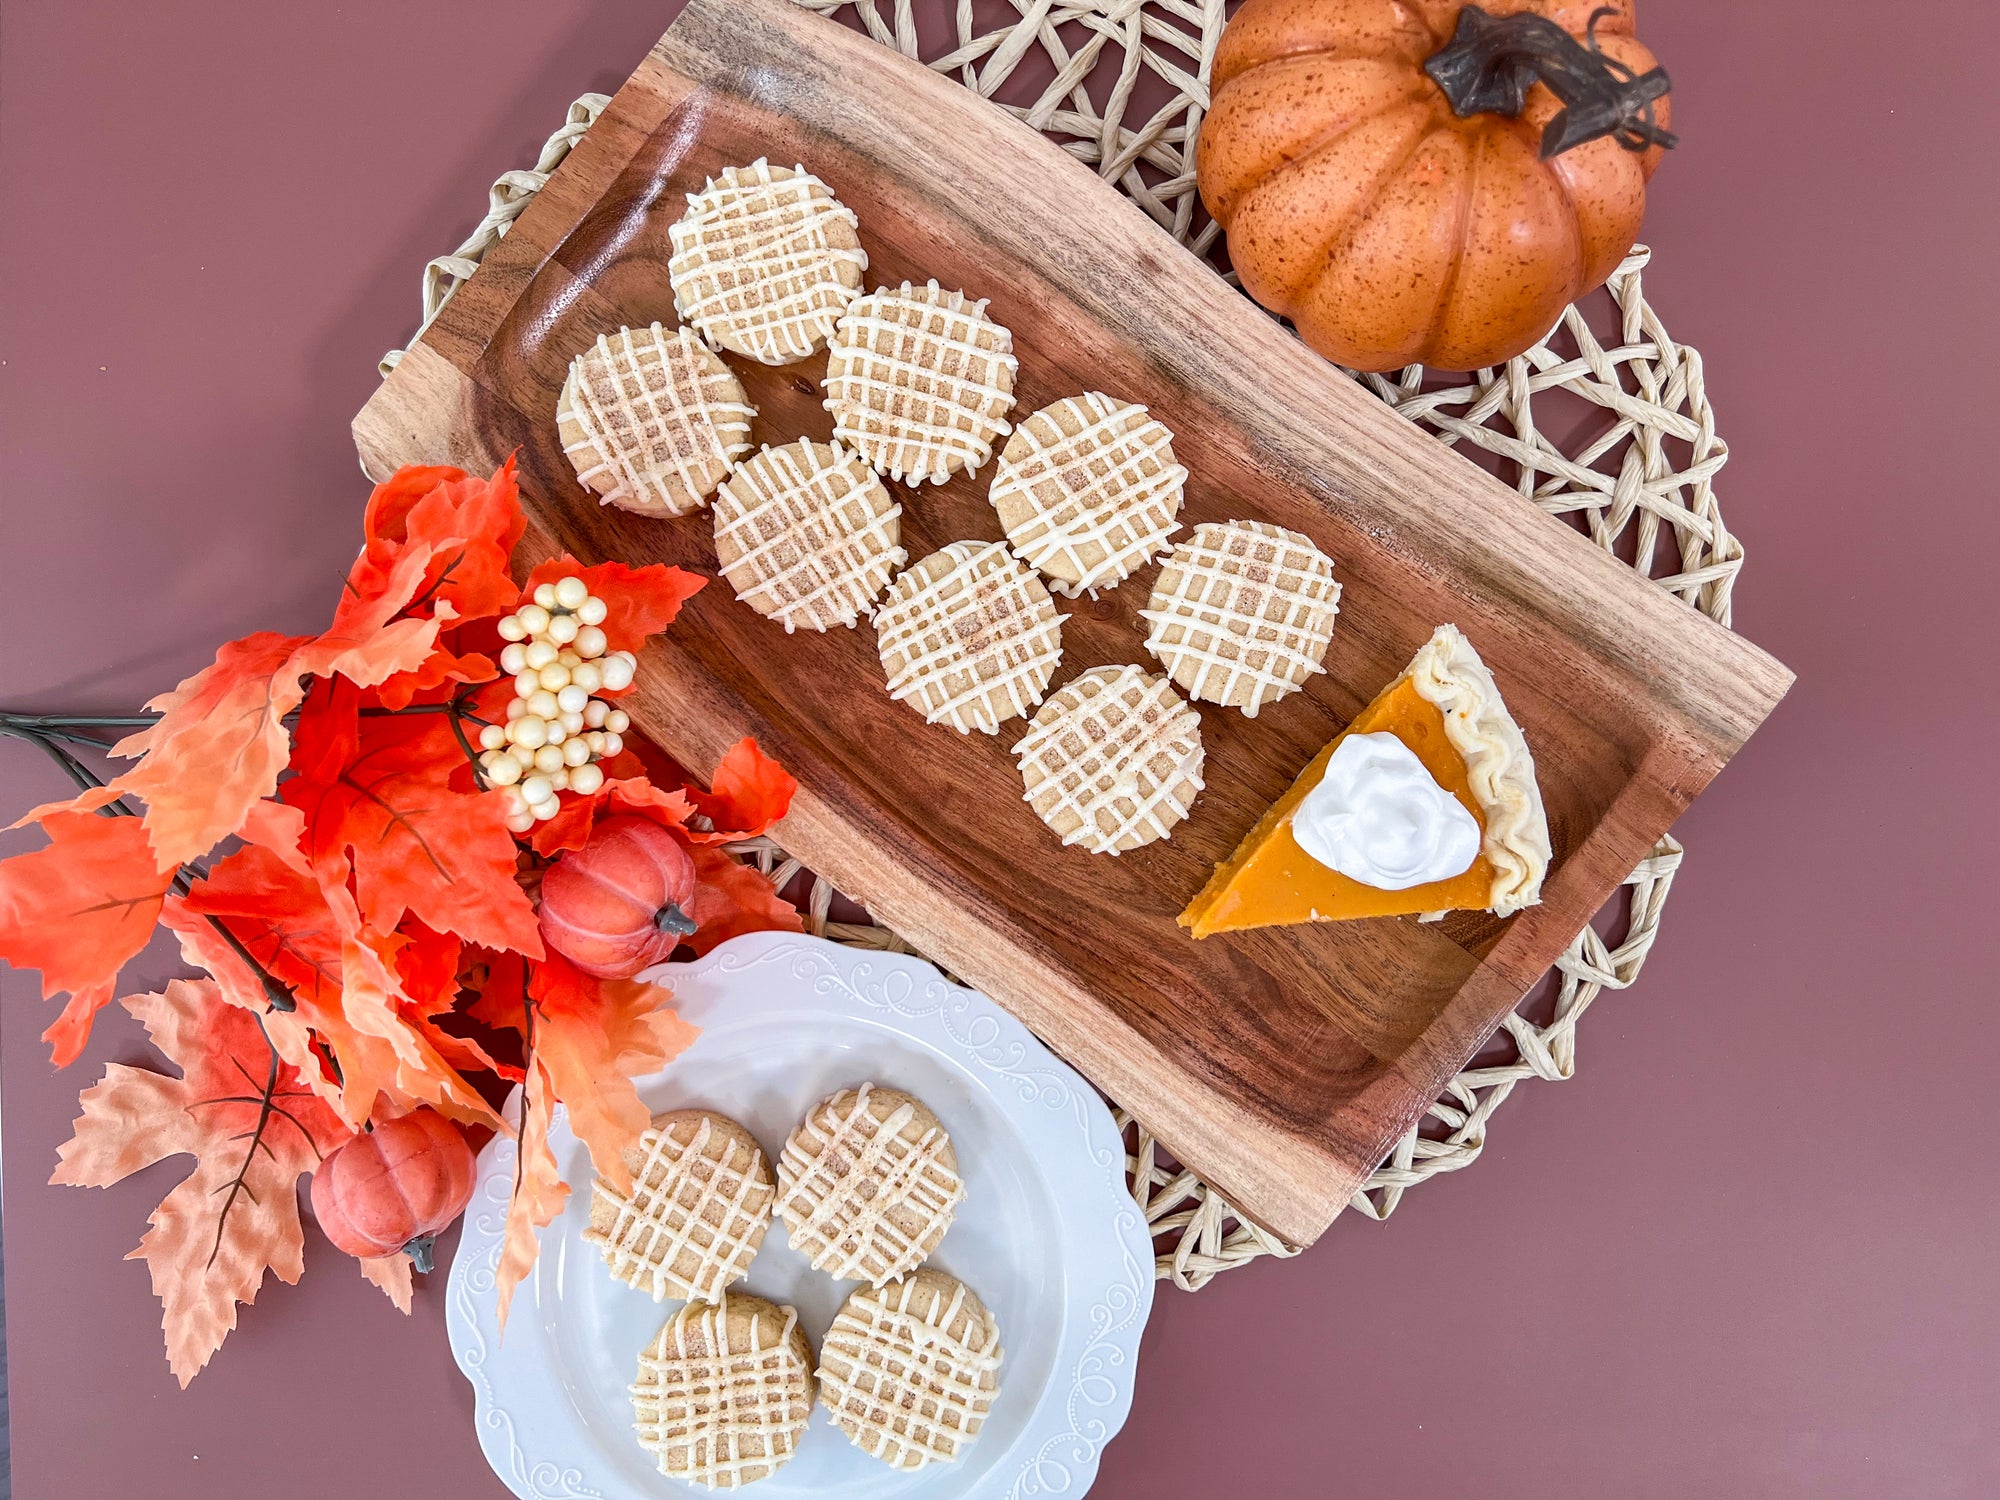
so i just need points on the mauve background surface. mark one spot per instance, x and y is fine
(1748, 1251)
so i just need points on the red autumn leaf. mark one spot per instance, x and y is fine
(417, 845)
(750, 792)
(503, 998)
(471, 525)
(442, 668)
(639, 602)
(539, 1191)
(375, 1031)
(392, 1274)
(278, 914)
(731, 899)
(374, 1005)
(571, 825)
(253, 1130)
(328, 733)
(77, 910)
(592, 1037)
(428, 963)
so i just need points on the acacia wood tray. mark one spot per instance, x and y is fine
(1281, 1064)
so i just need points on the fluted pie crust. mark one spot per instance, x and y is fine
(1448, 710)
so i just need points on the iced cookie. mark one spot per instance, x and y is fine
(920, 381)
(652, 420)
(868, 1184)
(699, 1205)
(807, 535)
(765, 261)
(1087, 490)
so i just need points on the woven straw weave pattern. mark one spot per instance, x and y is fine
(1637, 479)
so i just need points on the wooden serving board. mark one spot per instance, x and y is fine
(1282, 1064)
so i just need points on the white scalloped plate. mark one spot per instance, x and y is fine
(1048, 1236)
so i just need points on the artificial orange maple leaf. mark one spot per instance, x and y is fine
(392, 1274)
(416, 845)
(373, 1003)
(749, 793)
(444, 667)
(375, 1032)
(731, 899)
(571, 825)
(221, 742)
(638, 601)
(278, 828)
(539, 1191)
(218, 747)
(472, 526)
(592, 1038)
(252, 1128)
(77, 910)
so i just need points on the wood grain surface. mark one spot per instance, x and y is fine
(1279, 1064)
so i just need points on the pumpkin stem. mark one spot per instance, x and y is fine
(419, 1251)
(670, 918)
(1492, 61)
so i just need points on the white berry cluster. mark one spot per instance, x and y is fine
(556, 732)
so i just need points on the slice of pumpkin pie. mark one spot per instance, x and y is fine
(1427, 802)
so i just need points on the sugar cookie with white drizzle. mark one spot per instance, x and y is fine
(910, 1370)
(1113, 761)
(725, 1391)
(652, 420)
(695, 1213)
(919, 381)
(1242, 613)
(969, 637)
(1087, 490)
(868, 1184)
(807, 535)
(765, 261)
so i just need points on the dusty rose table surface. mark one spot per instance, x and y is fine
(1748, 1251)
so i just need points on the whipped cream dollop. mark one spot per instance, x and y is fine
(1377, 816)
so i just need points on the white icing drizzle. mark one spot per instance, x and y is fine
(717, 1414)
(1242, 605)
(910, 1371)
(1500, 771)
(756, 266)
(695, 1216)
(817, 531)
(652, 420)
(919, 381)
(1101, 502)
(973, 647)
(850, 1233)
(1114, 760)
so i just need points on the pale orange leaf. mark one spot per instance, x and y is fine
(392, 1274)
(252, 1128)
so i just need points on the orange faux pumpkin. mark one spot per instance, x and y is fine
(394, 1187)
(1425, 180)
(620, 903)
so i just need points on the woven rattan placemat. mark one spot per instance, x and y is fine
(1605, 423)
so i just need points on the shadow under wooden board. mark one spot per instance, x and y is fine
(1282, 1064)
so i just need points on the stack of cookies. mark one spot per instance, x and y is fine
(767, 264)
(866, 1186)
